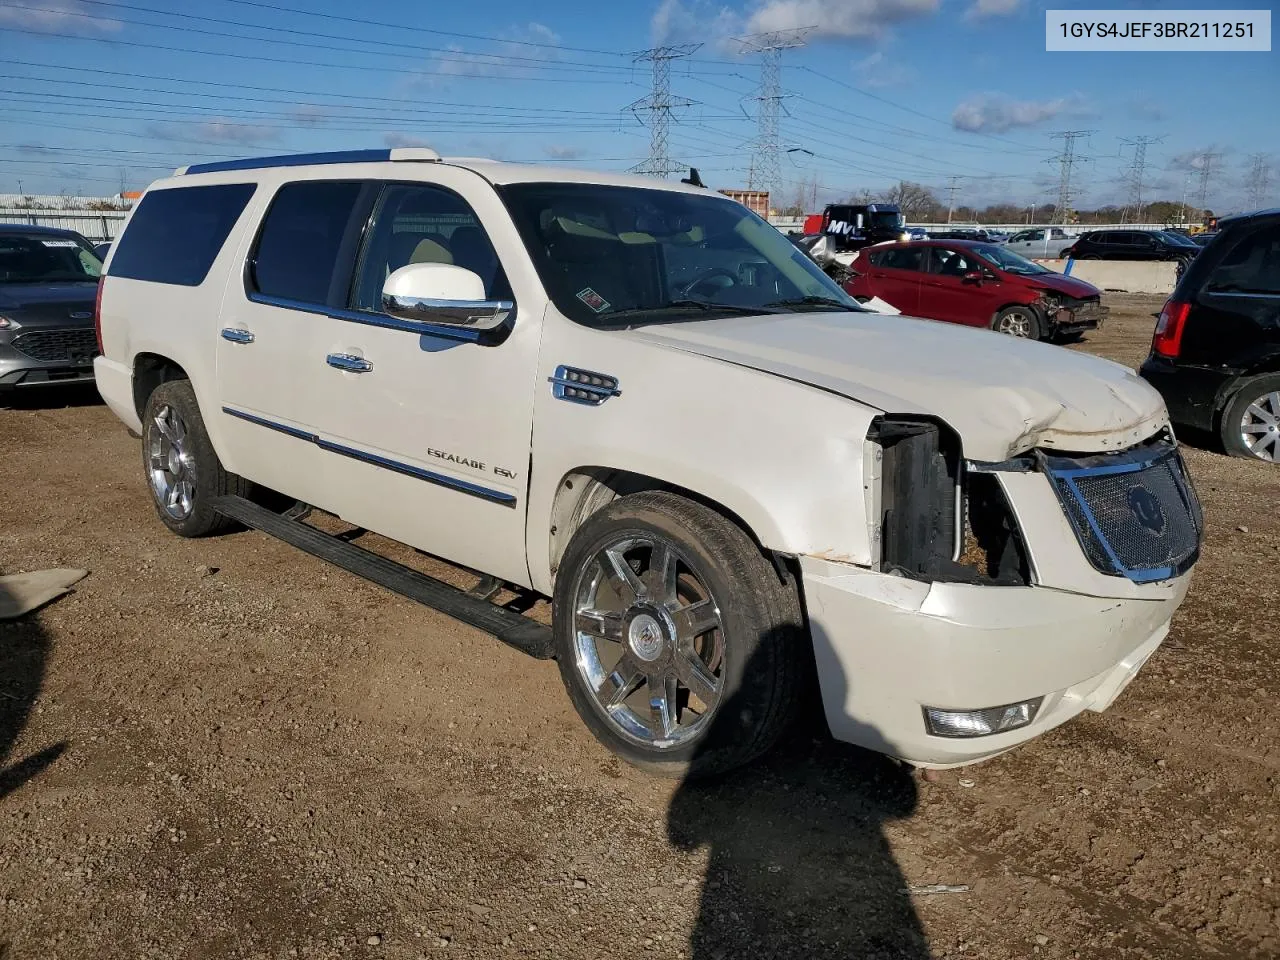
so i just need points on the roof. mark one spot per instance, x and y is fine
(495, 171)
(1241, 217)
(31, 229)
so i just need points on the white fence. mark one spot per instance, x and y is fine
(95, 225)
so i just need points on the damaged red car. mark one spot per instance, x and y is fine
(976, 284)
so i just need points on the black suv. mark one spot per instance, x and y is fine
(1131, 245)
(1215, 355)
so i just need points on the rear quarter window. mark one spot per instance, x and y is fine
(175, 235)
(297, 250)
(1252, 266)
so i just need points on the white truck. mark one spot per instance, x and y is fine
(640, 400)
(1043, 243)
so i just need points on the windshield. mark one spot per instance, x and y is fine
(1177, 239)
(1007, 260)
(888, 221)
(619, 256)
(46, 258)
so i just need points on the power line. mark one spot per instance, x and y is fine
(766, 159)
(1136, 173)
(1066, 160)
(1259, 180)
(658, 107)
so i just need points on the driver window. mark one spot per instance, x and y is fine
(951, 263)
(424, 224)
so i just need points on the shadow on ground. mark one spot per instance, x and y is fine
(24, 653)
(52, 398)
(799, 863)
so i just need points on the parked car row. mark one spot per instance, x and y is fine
(1132, 245)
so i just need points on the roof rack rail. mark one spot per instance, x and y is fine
(310, 159)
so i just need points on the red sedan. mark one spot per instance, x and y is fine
(977, 284)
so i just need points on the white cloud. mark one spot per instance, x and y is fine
(987, 113)
(1195, 160)
(217, 129)
(981, 9)
(838, 19)
(58, 16)
(696, 21)
(877, 70)
(394, 140)
(510, 58)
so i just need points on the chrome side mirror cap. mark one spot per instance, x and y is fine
(442, 294)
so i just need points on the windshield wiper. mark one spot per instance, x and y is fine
(817, 302)
(704, 305)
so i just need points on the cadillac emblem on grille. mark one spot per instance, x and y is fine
(1146, 509)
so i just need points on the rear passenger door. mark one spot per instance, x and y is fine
(897, 273)
(428, 437)
(268, 383)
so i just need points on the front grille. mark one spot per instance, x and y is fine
(55, 346)
(1135, 514)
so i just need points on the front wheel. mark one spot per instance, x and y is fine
(1251, 421)
(182, 470)
(678, 644)
(1019, 321)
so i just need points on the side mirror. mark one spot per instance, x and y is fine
(441, 293)
(973, 276)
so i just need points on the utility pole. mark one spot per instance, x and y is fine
(1137, 171)
(766, 164)
(1206, 170)
(1067, 159)
(1186, 188)
(659, 106)
(1259, 179)
(953, 184)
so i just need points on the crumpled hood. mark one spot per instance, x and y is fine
(1071, 286)
(1002, 395)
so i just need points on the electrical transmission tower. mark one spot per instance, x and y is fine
(1136, 174)
(657, 108)
(766, 164)
(1259, 180)
(1066, 160)
(1206, 171)
(953, 184)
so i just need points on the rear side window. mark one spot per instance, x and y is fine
(175, 235)
(297, 249)
(900, 258)
(1252, 266)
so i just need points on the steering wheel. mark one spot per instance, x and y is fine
(710, 274)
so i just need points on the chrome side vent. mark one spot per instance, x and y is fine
(583, 386)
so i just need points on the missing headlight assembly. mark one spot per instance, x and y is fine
(939, 521)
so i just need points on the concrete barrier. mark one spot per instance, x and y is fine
(1122, 276)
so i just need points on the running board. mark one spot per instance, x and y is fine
(508, 626)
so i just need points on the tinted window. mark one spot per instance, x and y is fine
(901, 258)
(298, 247)
(1252, 266)
(952, 263)
(420, 224)
(46, 258)
(175, 235)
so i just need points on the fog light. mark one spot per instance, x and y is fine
(980, 723)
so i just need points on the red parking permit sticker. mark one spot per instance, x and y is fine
(593, 300)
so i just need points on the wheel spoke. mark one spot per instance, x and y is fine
(606, 624)
(661, 576)
(1273, 402)
(616, 562)
(663, 704)
(1255, 410)
(620, 682)
(163, 425)
(1254, 428)
(171, 500)
(695, 619)
(693, 673)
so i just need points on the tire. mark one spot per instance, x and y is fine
(1253, 405)
(184, 476)
(746, 654)
(1019, 320)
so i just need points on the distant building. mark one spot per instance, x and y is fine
(757, 201)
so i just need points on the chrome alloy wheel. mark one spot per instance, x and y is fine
(649, 641)
(1016, 323)
(171, 465)
(1260, 427)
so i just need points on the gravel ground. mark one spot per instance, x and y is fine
(225, 748)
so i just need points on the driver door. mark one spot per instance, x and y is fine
(949, 293)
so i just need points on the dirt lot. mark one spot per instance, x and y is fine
(224, 748)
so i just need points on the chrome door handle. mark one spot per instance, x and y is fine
(237, 335)
(349, 362)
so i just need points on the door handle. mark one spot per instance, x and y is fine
(349, 362)
(237, 335)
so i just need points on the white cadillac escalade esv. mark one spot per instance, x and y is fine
(639, 399)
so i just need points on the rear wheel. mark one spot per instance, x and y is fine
(182, 470)
(1019, 320)
(680, 648)
(1251, 421)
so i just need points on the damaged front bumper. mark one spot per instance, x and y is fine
(887, 647)
(1075, 315)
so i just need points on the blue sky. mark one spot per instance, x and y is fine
(99, 92)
